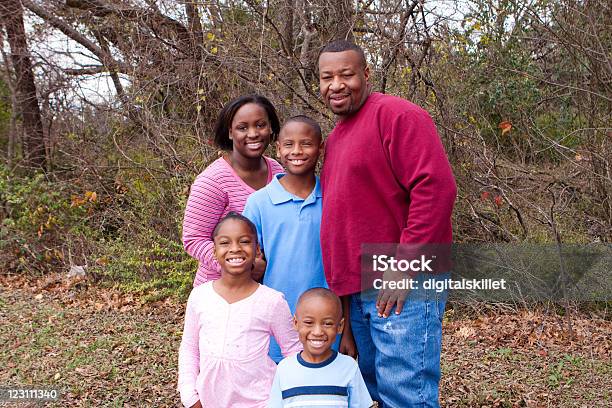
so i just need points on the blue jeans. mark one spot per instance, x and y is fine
(399, 356)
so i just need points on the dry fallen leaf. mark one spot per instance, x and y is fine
(466, 332)
(505, 126)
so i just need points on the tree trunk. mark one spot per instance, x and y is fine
(11, 14)
(195, 24)
(344, 13)
(288, 37)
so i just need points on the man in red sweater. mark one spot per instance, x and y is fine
(385, 179)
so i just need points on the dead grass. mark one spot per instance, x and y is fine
(106, 349)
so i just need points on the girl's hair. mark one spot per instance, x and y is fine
(224, 120)
(235, 216)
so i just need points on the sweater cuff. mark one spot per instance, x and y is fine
(190, 400)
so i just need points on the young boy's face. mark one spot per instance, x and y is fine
(318, 320)
(298, 148)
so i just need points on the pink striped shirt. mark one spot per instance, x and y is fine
(215, 192)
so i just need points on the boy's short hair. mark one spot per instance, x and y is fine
(308, 121)
(341, 46)
(232, 215)
(320, 293)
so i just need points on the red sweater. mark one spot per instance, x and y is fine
(385, 179)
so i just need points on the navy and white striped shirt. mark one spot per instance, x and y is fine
(335, 382)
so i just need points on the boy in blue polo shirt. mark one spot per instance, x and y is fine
(287, 214)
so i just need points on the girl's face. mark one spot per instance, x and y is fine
(235, 247)
(250, 131)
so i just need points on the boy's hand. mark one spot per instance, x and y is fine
(347, 343)
(259, 267)
(197, 405)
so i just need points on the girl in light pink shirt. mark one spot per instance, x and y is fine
(223, 357)
(244, 129)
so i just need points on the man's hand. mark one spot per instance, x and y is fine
(259, 267)
(387, 298)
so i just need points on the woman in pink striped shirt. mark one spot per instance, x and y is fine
(244, 129)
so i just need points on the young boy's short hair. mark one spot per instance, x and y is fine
(308, 121)
(322, 293)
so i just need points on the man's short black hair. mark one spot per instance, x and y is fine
(308, 121)
(341, 46)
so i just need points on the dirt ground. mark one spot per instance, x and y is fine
(103, 348)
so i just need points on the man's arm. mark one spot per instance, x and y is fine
(420, 165)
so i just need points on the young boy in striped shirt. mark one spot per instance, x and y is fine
(319, 376)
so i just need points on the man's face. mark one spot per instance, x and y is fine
(343, 81)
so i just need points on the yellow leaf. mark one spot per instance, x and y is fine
(210, 36)
(213, 50)
(91, 196)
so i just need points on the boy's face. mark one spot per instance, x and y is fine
(298, 148)
(317, 321)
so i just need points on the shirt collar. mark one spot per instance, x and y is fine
(328, 361)
(279, 195)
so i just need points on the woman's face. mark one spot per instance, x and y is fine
(250, 131)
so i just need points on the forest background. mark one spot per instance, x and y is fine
(107, 108)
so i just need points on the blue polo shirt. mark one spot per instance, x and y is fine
(288, 229)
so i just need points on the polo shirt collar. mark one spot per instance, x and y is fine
(279, 195)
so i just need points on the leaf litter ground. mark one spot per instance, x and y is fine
(104, 348)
